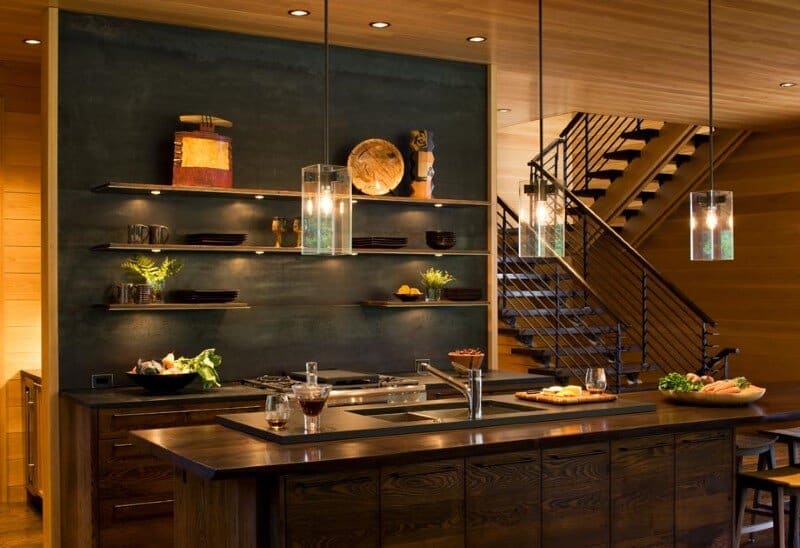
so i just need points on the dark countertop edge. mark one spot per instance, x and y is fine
(460, 442)
(35, 374)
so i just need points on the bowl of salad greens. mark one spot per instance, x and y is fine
(705, 390)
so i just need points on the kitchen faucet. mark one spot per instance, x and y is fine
(472, 390)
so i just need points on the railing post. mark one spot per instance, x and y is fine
(585, 253)
(644, 319)
(565, 161)
(618, 357)
(558, 314)
(586, 152)
(704, 344)
(504, 258)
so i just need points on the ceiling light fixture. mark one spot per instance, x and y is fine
(32, 41)
(787, 84)
(542, 211)
(476, 39)
(380, 24)
(711, 211)
(326, 194)
(299, 13)
(504, 110)
(155, 192)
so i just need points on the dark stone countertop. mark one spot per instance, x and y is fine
(35, 374)
(214, 451)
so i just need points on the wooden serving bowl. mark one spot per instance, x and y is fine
(463, 362)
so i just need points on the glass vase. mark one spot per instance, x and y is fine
(433, 294)
(157, 292)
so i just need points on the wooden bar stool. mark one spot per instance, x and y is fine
(762, 446)
(789, 436)
(779, 482)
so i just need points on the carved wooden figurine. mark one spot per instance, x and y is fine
(202, 157)
(422, 163)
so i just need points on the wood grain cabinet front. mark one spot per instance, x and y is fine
(704, 476)
(503, 500)
(642, 492)
(575, 496)
(423, 504)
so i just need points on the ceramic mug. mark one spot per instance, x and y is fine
(138, 234)
(159, 234)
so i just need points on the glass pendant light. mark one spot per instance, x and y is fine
(541, 202)
(711, 211)
(326, 193)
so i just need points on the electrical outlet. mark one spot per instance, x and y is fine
(103, 380)
(417, 365)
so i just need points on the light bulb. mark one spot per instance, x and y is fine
(341, 208)
(730, 222)
(711, 218)
(326, 203)
(542, 214)
(310, 206)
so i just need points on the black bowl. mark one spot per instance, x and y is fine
(163, 384)
(406, 298)
(440, 240)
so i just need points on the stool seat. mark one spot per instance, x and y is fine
(778, 482)
(789, 436)
(754, 444)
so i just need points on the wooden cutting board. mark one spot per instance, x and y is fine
(561, 400)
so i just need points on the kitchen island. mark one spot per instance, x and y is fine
(656, 478)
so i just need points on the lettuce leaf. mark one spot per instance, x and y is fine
(205, 364)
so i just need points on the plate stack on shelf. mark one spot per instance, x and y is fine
(211, 238)
(462, 293)
(204, 296)
(379, 242)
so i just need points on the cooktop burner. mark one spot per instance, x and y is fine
(283, 383)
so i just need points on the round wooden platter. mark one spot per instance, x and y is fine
(376, 166)
(747, 395)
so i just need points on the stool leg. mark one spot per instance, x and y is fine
(794, 537)
(741, 503)
(778, 518)
(793, 453)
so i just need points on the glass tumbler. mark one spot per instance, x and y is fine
(312, 398)
(595, 380)
(277, 411)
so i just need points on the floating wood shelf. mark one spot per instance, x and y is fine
(259, 249)
(418, 304)
(263, 193)
(172, 306)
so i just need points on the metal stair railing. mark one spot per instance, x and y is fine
(536, 293)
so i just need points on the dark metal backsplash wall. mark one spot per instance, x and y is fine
(122, 86)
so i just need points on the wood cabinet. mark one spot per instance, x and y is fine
(31, 396)
(575, 495)
(642, 491)
(704, 476)
(503, 500)
(115, 494)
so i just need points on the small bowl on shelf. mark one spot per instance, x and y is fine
(438, 239)
(407, 297)
(163, 383)
(464, 362)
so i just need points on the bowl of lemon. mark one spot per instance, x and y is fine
(408, 294)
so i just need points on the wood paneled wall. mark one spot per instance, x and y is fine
(755, 298)
(20, 217)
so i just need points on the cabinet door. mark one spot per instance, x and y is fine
(31, 392)
(575, 495)
(642, 492)
(423, 504)
(504, 499)
(704, 470)
(336, 509)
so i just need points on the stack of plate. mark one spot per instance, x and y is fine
(210, 238)
(380, 242)
(204, 295)
(462, 293)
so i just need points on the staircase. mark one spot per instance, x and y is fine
(603, 304)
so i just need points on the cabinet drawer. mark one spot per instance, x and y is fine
(423, 504)
(126, 470)
(343, 508)
(152, 533)
(115, 423)
(503, 499)
(116, 511)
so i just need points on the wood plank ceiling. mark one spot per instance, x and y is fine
(631, 57)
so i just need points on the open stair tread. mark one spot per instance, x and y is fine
(609, 174)
(644, 134)
(567, 350)
(590, 192)
(626, 154)
(534, 312)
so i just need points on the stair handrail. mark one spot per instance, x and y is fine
(569, 269)
(689, 303)
(577, 117)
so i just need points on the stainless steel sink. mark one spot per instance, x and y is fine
(443, 411)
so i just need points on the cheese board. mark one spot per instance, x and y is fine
(565, 400)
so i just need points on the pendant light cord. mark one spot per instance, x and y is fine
(710, 100)
(325, 108)
(541, 98)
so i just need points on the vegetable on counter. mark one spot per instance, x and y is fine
(205, 364)
(692, 382)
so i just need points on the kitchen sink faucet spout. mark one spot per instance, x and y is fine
(472, 390)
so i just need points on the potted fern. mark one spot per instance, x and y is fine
(434, 280)
(152, 274)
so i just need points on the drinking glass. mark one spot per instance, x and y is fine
(297, 228)
(312, 398)
(277, 411)
(279, 225)
(596, 380)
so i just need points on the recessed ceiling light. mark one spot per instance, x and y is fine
(503, 110)
(299, 13)
(787, 84)
(476, 39)
(32, 41)
(380, 24)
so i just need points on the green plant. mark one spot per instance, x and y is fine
(146, 268)
(205, 364)
(435, 279)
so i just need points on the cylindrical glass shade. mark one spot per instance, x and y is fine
(327, 202)
(541, 220)
(711, 224)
